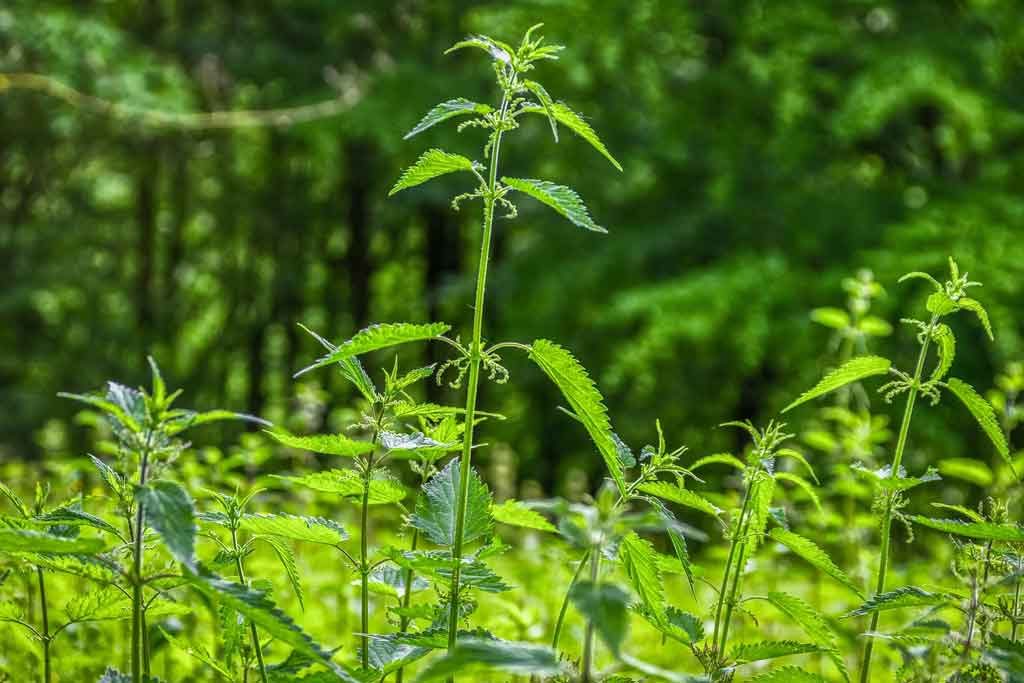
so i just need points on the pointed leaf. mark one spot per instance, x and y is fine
(966, 469)
(376, 337)
(586, 401)
(170, 511)
(574, 122)
(788, 674)
(24, 540)
(985, 414)
(474, 654)
(431, 164)
(436, 509)
(10, 495)
(641, 564)
(349, 483)
(295, 527)
(803, 485)
(813, 554)
(835, 318)
(546, 102)
(677, 494)
(812, 624)
(983, 531)
(718, 459)
(71, 516)
(459, 106)
(852, 371)
(326, 444)
(975, 307)
(746, 653)
(498, 50)
(604, 605)
(945, 342)
(562, 199)
(287, 559)
(515, 513)
(907, 596)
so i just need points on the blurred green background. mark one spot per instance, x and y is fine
(770, 150)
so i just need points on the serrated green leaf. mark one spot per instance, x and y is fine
(417, 441)
(515, 513)
(815, 555)
(604, 605)
(907, 596)
(287, 559)
(11, 611)
(921, 276)
(718, 459)
(835, 318)
(803, 485)
(350, 368)
(984, 531)
(562, 199)
(177, 421)
(112, 479)
(874, 326)
(546, 102)
(985, 415)
(586, 401)
(761, 493)
(787, 674)
(295, 527)
(257, 607)
(71, 516)
(475, 654)
(945, 343)
(431, 164)
(383, 489)
(10, 495)
(940, 304)
(389, 579)
(439, 565)
(325, 444)
(677, 494)
(813, 625)
(377, 337)
(969, 514)
(884, 479)
(574, 122)
(641, 564)
(199, 653)
(448, 109)
(497, 49)
(745, 653)
(97, 569)
(975, 307)
(852, 371)
(27, 541)
(436, 508)
(170, 511)
(966, 469)
(799, 457)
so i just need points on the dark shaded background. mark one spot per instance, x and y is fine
(770, 148)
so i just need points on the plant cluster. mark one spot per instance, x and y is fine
(160, 554)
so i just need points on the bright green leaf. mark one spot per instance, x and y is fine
(562, 199)
(852, 371)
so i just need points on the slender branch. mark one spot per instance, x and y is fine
(47, 672)
(588, 640)
(139, 531)
(257, 648)
(403, 623)
(565, 601)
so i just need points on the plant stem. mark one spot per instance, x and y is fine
(742, 531)
(47, 674)
(728, 564)
(474, 376)
(565, 602)
(403, 624)
(138, 549)
(364, 568)
(257, 648)
(901, 444)
(588, 640)
(1016, 597)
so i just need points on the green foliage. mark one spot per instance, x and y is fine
(812, 553)
(384, 490)
(851, 371)
(813, 625)
(562, 199)
(639, 560)
(984, 531)
(170, 511)
(487, 654)
(983, 413)
(773, 649)
(296, 528)
(431, 164)
(26, 540)
(605, 605)
(326, 444)
(448, 109)
(574, 122)
(377, 337)
(900, 598)
(680, 496)
(435, 508)
(586, 401)
(515, 513)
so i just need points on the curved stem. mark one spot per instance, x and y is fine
(474, 377)
(565, 603)
(257, 648)
(883, 553)
(45, 636)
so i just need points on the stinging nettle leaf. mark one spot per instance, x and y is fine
(641, 564)
(376, 337)
(436, 509)
(472, 654)
(431, 164)
(984, 531)
(574, 122)
(295, 527)
(586, 401)
(677, 494)
(814, 554)
(459, 106)
(349, 483)
(24, 540)
(975, 307)
(562, 199)
(497, 49)
(170, 511)
(907, 596)
(745, 653)
(515, 513)
(852, 371)
(813, 624)
(546, 102)
(326, 444)
(604, 605)
(985, 415)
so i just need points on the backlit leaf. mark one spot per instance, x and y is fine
(295, 527)
(326, 444)
(515, 513)
(170, 511)
(431, 164)
(376, 337)
(436, 508)
(641, 564)
(604, 605)
(475, 654)
(677, 494)
(459, 106)
(984, 413)
(813, 625)
(562, 199)
(574, 122)
(349, 483)
(907, 596)
(851, 371)
(24, 540)
(812, 553)
(983, 531)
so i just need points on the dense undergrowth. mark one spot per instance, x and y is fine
(378, 552)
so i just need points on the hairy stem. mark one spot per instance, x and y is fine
(588, 640)
(47, 673)
(883, 553)
(743, 529)
(733, 545)
(137, 584)
(1016, 597)
(364, 569)
(565, 602)
(403, 623)
(257, 648)
(474, 377)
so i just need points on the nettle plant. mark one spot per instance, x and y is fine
(891, 482)
(454, 509)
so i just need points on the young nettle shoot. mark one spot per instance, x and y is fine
(891, 482)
